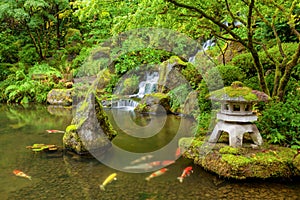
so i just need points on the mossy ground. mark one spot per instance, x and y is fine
(267, 161)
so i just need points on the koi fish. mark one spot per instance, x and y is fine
(140, 166)
(177, 153)
(167, 162)
(157, 173)
(186, 172)
(109, 179)
(55, 131)
(143, 158)
(21, 174)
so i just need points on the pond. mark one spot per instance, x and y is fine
(68, 176)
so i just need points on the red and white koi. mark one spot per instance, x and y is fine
(143, 158)
(55, 131)
(21, 174)
(167, 162)
(157, 173)
(186, 172)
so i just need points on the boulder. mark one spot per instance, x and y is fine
(190, 106)
(60, 97)
(90, 131)
(155, 103)
(169, 76)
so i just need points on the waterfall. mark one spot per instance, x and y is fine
(208, 43)
(126, 104)
(148, 86)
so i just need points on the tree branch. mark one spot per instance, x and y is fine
(232, 16)
(210, 18)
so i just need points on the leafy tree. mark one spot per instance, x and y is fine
(43, 21)
(251, 16)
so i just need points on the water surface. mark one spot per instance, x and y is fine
(68, 176)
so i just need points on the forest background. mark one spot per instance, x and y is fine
(44, 43)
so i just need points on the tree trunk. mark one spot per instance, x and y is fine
(37, 47)
(58, 35)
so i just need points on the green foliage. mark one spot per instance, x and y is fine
(203, 102)
(192, 75)
(178, 96)
(112, 83)
(280, 121)
(136, 60)
(44, 69)
(229, 74)
(245, 63)
(203, 124)
(21, 88)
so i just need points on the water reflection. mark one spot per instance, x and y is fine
(68, 176)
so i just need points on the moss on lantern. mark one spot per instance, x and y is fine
(236, 90)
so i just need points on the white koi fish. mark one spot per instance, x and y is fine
(144, 166)
(157, 173)
(109, 179)
(143, 158)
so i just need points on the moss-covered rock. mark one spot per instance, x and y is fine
(60, 97)
(90, 130)
(296, 162)
(241, 163)
(155, 103)
(169, 76)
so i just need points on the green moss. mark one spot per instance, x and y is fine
(158, 95)
(176, 59)
(229, 150)
(71, 128)
(236, 161)
(232, 92)
(103, 120)
(141, 108)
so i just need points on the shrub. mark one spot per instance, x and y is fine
(280, 121)
(21, 88)
(223, 75)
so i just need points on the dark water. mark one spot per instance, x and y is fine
(66, 176)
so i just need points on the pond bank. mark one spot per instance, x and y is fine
(267, 161)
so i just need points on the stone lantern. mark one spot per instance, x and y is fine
(236, 116)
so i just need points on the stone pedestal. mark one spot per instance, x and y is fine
(236, 116)
(236, 132)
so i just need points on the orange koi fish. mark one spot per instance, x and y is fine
(157, 173)
(186, 172)
(21, 174)
(55, 131)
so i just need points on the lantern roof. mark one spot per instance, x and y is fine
(237, 92)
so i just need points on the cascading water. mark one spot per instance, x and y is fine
(208, 43)
(127, 104)
(148, 86)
